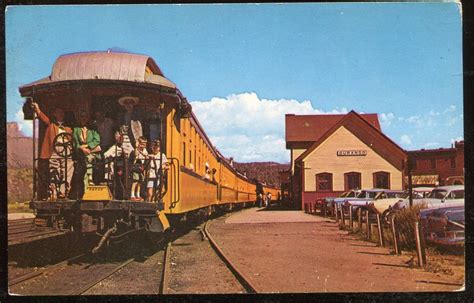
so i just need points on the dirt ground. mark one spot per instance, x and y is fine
(298, 254)
(196, 268)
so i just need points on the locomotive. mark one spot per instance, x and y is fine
(198, 179)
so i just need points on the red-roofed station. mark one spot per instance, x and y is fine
(331, 154)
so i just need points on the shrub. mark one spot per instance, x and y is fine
(405, 223)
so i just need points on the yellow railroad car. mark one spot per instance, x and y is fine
(125, 88)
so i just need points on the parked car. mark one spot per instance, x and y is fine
(444, 225)
(336, 200)
(442, 196)
(367, 196)
(385, 205)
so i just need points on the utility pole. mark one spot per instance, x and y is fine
(410, 181)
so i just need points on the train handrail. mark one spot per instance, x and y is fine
(175, 194)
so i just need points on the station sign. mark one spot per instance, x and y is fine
(342, 153)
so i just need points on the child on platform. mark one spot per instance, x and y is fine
(140, 155)
(155, 171)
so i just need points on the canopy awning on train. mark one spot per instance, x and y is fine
(102, 67)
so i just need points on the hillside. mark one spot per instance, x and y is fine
(19, 164)
(262, 171)
(19, 148)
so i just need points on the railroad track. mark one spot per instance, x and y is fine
(85, 270)
(82, 273)
(34, 274)
(66, 268)
(240, 276)
(165, 278)
(25, 230)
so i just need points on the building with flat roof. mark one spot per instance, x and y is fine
(442, 166)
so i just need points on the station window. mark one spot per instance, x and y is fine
(453, 162)
(433, 163)
(382, 180)
(352, 180)
(324, 182)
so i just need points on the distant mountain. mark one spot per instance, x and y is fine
(19, 148)
(262, 171)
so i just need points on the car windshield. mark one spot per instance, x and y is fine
(456, 194)
(415, 195)
(380, 195)
(372, 194)
(343, 195)
(395, 195)
(351, 194)
(438, 194)
(362, 194)
(367, 194)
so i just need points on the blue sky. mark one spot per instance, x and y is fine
(244, 66)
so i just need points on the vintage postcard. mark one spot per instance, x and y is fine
(235, 148)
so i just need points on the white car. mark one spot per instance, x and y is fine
(384, 205)
(442, 196)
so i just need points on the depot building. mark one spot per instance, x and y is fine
(331, 154)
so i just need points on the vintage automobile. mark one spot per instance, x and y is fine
(442, 196)
(385, 205)
(365, 197)
(330, 201)
(444, 226)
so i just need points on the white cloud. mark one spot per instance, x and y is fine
(250, 128)
(451, 121)
(405, 139)
(451, 108)
(25, 126)
(386, 119)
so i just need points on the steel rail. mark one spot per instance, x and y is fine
(17, 238)
(81, 290)
(41, 271)
(165, 277)
(243, 280)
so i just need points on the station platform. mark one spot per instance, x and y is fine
(263, 215)
(283, 251)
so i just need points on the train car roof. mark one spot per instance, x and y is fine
(107, 65)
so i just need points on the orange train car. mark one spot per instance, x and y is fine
(197, 177)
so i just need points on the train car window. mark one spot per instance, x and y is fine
(184, 153)
(195, 162)
(190, 157)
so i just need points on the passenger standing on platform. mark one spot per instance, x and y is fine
(56, 164)
(138, 158)
(131, 118)
(116, 157)
(155, 172)
(269, 199)
(259, 200)
(105, 127)
(87, 151)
